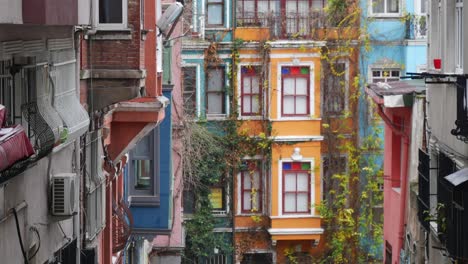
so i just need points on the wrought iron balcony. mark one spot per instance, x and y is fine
(285, 25)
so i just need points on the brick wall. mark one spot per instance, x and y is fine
(116, 53)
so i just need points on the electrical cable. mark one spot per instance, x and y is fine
(38, 238)
(19, 235)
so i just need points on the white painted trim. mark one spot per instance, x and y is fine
(287, 119)
(295, 56)
(386, 15)
(222, 229)
(296, 138)
(198, 85)
(114, 26)
(311, 89)
(295, 231)
(227, 68)
(295, 216)
(202, 56)
(280, 188)
(227, 8)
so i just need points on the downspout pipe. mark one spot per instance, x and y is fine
(404, 183)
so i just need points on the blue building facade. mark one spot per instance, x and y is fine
(396, 31)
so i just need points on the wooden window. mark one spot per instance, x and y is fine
(251, 188)
(251, 95)
(334, 92)
(296, 187)
(215, 13)
(215, 92)
(295, 91)
(189, 81)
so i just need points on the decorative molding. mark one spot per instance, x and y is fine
(296, 138)
(295, 231)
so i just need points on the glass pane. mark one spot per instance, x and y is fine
(256, 202)
(291, 7)
(423, 6)
(302, 202)
(396, 73)
(246, 201)
(288, 86)
(247, 180)
(143, 148)
(290, 202)
(378, 6)
(301, 105)
(393, 6)
(246, 85)
(215, 80)
(303, 7)
(301, 86)
(305, 166)
(142, 172)
(286, 165)
(256, 180)
(249, 7)
(302, 182)
(215, 104)
(290, 182)
(110, 11)
(255, 85)
(215, 14)
(375, 73)
(288, 107)
(246, 104)
(216, 198)
(255, 104)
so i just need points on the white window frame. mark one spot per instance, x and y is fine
(197, 88)
(112, 26)
(381, 67)
(385, 13)
(418, 6)
(225, 67)
(459, 36)
(312, 188)
(279, 82)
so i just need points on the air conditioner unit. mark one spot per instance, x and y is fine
(169, 18)
(63, 202)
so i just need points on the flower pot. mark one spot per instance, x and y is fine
(437, 63)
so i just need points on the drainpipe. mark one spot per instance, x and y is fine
(404, 184)
(76, 217)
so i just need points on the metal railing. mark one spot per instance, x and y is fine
(290, 25)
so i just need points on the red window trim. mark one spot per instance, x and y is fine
(307, 76)
(246, 173)
(296, 192)
(252, 95)
(222, 92)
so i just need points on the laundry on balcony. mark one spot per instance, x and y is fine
(14, 146)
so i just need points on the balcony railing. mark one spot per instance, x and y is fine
(285, 25)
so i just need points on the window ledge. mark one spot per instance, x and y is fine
(295, 216)
(210, 117)
(144, 201)
(112, 34)
(386, 16)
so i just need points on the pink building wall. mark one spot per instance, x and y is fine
(396, 161)
(174, 240)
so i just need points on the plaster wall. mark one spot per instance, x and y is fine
(32, 186)
(11, 11)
